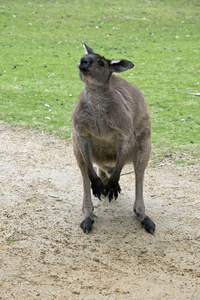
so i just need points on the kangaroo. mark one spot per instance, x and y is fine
(111, 127)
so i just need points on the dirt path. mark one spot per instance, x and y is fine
(48, 257)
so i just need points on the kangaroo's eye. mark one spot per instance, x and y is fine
(100, 63)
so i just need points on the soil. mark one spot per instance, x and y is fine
(45, 255)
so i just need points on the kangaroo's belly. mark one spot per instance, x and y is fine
(105, 151)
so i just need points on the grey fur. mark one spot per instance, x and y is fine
(111, 128)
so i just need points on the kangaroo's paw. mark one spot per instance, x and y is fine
(149, 225)
(112, 191)
(86, 225)
(98, 188)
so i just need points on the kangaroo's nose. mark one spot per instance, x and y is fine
(84, 61)
(84, 64)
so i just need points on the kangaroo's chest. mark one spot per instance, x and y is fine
(99, 122)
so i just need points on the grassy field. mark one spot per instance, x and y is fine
(41, 44)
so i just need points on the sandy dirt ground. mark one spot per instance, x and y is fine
(45, 255)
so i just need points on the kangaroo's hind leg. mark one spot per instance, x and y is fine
(140, 161)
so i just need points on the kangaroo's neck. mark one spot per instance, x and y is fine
(97, 93)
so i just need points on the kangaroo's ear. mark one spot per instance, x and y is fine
(120, 65)
(87, 49)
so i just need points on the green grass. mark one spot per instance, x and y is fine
(41, 45)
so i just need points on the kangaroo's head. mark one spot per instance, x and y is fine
(96, 70)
